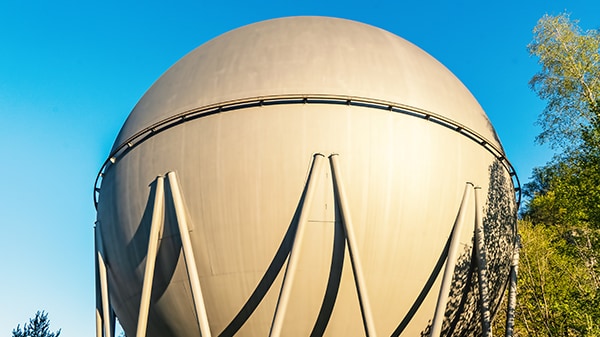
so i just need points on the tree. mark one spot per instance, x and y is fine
(565, 192)
(39, 326)
(559, 271)
(569, 79)
(565, 195)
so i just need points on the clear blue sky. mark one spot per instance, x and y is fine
(71, 71)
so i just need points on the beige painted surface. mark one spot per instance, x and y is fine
(307, 55)
(242, 173)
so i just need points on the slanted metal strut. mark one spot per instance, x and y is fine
(105, 321)
(104, 317)
(156, 225)
(480, 255)
(479, 248)
(440, 309)
(290, 271)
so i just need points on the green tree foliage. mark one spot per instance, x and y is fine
(566, 192)
(557, 293)
(39, 326)
(559, 273)
(569, 79)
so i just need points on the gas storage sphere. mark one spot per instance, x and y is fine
(315, 168)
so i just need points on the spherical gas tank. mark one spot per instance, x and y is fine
(319, 166)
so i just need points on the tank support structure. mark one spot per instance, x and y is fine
(105, 317)
(290, 271)
(480, 256)
(105, 327)
(359, 280)
(155, 229)
(482, 271)
(188, 254)
(512, 291)
(341, 201)
(440, 309)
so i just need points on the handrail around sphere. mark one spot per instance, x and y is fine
(250, 102)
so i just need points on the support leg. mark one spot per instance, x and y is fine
(98, 291)
(106, 314)
(438, 317)
(290, 271)
(155, 228)
(480, 255)
(98, 323)
(188, 253)
(361, 288)
(512, 291)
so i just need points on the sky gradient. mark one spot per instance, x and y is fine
(71, 71)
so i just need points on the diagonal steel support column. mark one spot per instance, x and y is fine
(156, 225)
(480, 255)
(359, 279)
(105, 317)
(438, 317)
(290, 271)
(99, 321)
(512, 291)
(188, 254)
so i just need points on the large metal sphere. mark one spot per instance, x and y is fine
(239, 119)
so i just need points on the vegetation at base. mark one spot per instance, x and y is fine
(559, 272)
(558, 295)
(39, 326)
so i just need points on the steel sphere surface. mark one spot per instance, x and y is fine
(237, 135)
